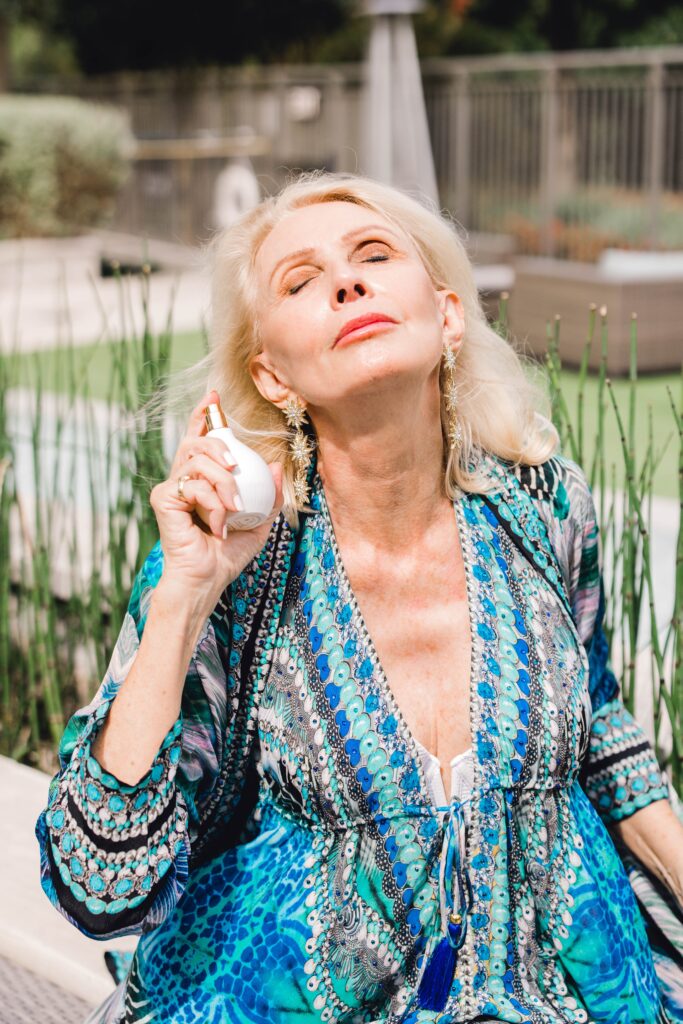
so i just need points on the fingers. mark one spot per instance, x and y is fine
(214, 447)
(197, 425)
(218, 475)
(198, 494)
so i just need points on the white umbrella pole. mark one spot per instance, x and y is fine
(397, 148)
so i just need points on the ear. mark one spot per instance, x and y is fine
(452, 318)
(267, 382)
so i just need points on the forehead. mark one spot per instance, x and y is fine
(315, 225)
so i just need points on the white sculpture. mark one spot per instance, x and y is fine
(236, 191)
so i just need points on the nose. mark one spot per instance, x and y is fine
(344, 295)
(348, 287)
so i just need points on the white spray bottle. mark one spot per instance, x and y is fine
(255, 484)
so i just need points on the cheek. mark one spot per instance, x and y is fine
(414, 292)
(289, 337)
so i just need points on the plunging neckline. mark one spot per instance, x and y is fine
(411, 741)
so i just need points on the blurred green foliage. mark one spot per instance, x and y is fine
(35, 53)
(62, 163)
(496, 26)
(127, 35)
(586, 221)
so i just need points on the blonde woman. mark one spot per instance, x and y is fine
(358, 764)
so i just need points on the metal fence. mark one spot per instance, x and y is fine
(566, 152)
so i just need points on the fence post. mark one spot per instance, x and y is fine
(460, 140)
(336, 95)
(281, 150)
(548, 157)
(655, 138)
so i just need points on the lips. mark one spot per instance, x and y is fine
(363, 321)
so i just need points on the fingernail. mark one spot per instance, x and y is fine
(228, 458)
(238, 503)
(225, 530)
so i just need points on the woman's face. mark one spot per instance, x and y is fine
(319, 270)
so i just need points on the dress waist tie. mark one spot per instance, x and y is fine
(455, 898)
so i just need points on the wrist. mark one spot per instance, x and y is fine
(187, 608)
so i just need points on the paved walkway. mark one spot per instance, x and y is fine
(33, 935)
(51, 291)
(27, 998)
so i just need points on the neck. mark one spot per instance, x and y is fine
(382, 471)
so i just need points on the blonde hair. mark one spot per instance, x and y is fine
(499, 404)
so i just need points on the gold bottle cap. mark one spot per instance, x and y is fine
(214, 416)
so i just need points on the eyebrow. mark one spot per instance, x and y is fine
(310, 250)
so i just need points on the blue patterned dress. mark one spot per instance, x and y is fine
(284, 859)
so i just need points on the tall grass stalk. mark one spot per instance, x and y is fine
(646, 654)
(673, 643)
(75, 523)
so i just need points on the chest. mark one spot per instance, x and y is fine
(420, 631)
(359, 673)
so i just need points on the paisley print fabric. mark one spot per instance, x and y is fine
(286, 858)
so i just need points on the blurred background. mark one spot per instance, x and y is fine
(551, 134)
(555, 125)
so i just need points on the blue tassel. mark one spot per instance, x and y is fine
(437, 979)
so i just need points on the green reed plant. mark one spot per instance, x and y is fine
(673, 644)
(63, 601)
(645, 652)
(75, 523)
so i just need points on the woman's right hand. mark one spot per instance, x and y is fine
(196, 555)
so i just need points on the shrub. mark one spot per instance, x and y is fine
(62, 163)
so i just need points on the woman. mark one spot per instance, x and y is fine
(361, 759)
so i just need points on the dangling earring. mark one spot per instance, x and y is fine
(300, 448)
(450, 395)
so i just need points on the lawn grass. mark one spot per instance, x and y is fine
(94, 364)
(651, 395)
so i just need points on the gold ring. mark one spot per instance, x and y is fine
(181, 485)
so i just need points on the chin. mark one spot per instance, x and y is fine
(377, 368)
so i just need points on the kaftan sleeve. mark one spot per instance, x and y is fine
(621, 773)
(115, 857)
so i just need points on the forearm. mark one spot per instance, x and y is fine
(149, 700)
(655, 835)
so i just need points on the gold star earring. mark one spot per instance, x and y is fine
(300, 448)
(451, 398)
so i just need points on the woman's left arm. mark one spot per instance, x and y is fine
(655, 835)
(621, 774)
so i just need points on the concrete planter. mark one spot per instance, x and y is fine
(632, 283)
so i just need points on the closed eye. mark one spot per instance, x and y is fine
(378, 258)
